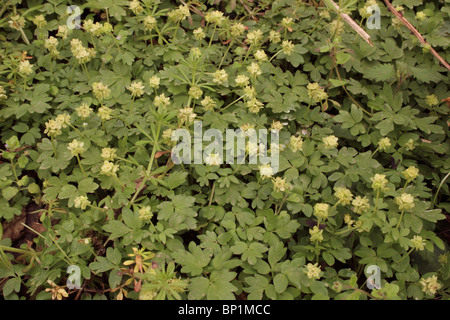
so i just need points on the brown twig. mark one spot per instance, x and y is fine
(353, 24)
(416, 33)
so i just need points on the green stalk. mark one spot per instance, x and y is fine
(400, 220)
(53, 145)
(225, 54)
(79, 164)
(212, 36)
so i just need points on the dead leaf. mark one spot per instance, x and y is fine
(13, 229)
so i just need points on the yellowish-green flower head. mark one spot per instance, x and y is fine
(241, 80)
(254, 38)
(431, 100)
(195, 92)
(411, 173)
(108, 154)
(215, 17)
(288, 47)
(254, 105)
(208, 103)
(418, 243)
(316, 234)
(237, 29)
(145, 213)
(81, 202)
(109, 169)
(405, 201)
(161, 100)
(254, 69)
(213, 159)
(186, 115)
(25, 68)
(76, 147)
(199, 34)
(330, 142)
(220, 76)
(104, 113)
(379, 182)
(421, 16)
(266, 171)
(343, 195)
(312, 271)
(430, 285)
(384, 143)
(360, 205)
(279, 184)
(321, 210)
(295, 143)
(154, 82)
(100, 91)
(260, 55)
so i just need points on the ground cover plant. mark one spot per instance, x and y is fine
(93, 205)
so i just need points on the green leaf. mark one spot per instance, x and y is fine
(276, 252)
(430, 215)
(9, 192)
(380, 72)
(87, 185)
(116, 229)
(280, 282)
(176, 179)
(192, 261)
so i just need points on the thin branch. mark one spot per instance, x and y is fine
(416, 33)
(352, 24)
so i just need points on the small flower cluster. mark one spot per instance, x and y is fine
(109, 169)
(280, 184)
(316, 93)
(76, 147)
(330, 142)
(96, 29)
(84, 111)
(82, 54)
(16, 22)
(53, 126)
(100, 91)
(213, 159)
(430, 285)
(343, 195)
(50, 44)
(179, 14)
(365, 12)
(312, 271)
(321, 210)
(379, 182)
(145, 213)
(3, 93)
(81, 202)
(186, 115)
(405, 201)
(25, 68)
(136, 88)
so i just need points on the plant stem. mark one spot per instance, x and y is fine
(53, 145)
(79, 164)
(212, 36)
(225, 54)
(229, 105)
(212, 193)
(400, 220)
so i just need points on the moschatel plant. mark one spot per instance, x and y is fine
(90, 105)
